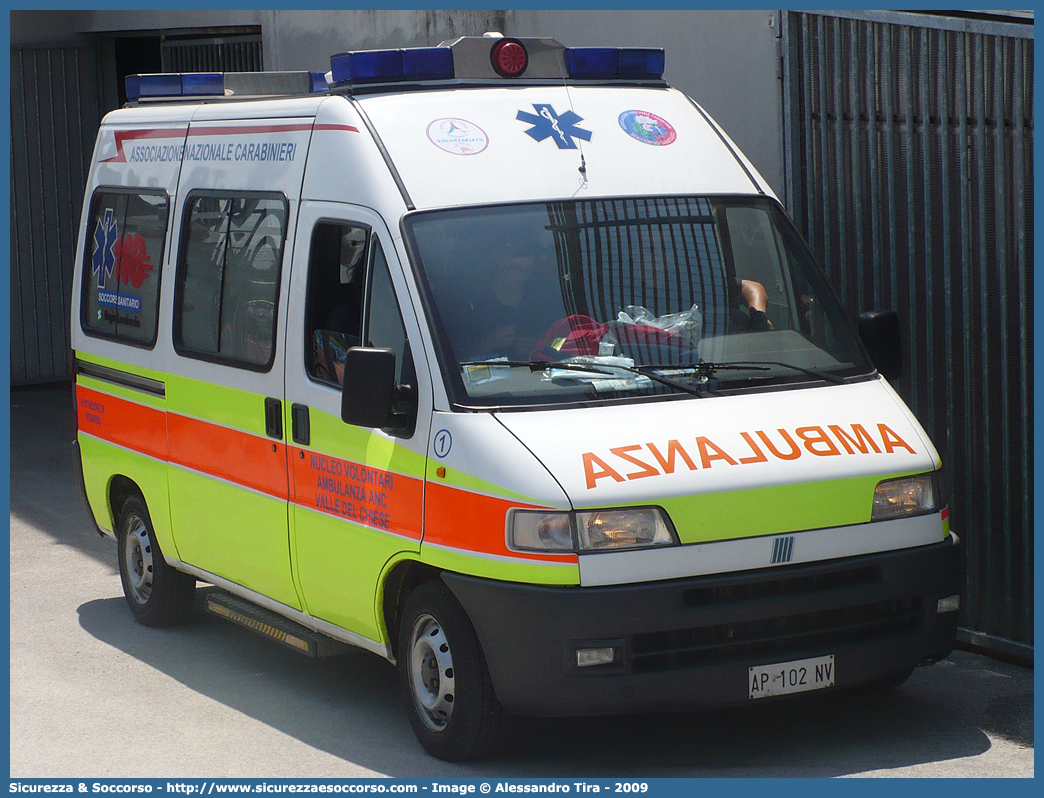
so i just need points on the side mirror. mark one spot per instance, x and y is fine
(879, 330)
(368, 396)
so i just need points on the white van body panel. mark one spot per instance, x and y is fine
(345, 164)
(560, 438)
(506, 164)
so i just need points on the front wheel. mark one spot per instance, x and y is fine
(442, 671)
(157, 594)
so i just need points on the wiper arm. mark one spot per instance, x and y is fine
(545, 365)
(539, 365)
(649, 371)
(708, 368)
(819, 375)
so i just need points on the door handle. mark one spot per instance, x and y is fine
(274, 418)
(300, 427)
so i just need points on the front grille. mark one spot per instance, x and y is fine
(769, 637)
(744, 589)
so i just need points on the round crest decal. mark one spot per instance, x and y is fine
(457, 136)
(647, 128)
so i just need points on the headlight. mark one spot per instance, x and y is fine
(623, 529)
(897, 498)
(539, 530)
(599, 530)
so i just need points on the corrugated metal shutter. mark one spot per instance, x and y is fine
(54, 119)
(212, 54)
(910, 170)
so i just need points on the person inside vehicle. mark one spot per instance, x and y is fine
(755, 297)
(338, 272)
(515, 314)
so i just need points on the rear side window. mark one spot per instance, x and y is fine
(126, 232)
(228, 278)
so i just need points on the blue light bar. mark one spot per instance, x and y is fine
(175, 84)
(383, 66)
(167, 85)
(318, 83)
(194, 84)
(646, 63)
(614, 63)
(592, 62)
(427, 63)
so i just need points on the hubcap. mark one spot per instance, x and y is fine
(137, 552)
(431, 673)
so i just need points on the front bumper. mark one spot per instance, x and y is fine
(688, 643)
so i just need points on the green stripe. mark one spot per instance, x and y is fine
(507, 570)
(347, 441)
(472, 484)
(102, 460)
(339, 565)
(229, 407)
(234, 533)
(728, 515)
(121, 392)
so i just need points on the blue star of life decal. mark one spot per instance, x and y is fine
(547, 124)
(103, 261)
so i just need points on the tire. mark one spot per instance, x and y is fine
(157, 594)
(444, 679)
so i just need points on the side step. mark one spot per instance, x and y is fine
(271, 625)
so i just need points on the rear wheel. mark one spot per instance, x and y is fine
(442, 671)
(157, 594)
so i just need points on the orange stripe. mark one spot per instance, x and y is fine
(128, 424)
(470, 521)
(359, 493)
(244, 459)
(373, 497)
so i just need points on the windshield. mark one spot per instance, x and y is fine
(561, 302)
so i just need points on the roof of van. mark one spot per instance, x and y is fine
(483, 145)
(474, 121)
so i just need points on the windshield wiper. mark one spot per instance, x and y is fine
(545, 365)
(707, 368)
(819, 375)
(539, 365)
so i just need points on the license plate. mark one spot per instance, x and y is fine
(796, 676)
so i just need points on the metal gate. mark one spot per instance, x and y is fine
(55, 113)
(211, 53)
(909, 165)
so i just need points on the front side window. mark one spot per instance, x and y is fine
(228, 283)
(347, 274)
(126, 234)
(548, 303)
(336, 284)
(384, 326)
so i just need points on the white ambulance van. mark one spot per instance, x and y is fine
(497, 359)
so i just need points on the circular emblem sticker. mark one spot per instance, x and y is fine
(647, 128)
(443, 443)
(457, 136)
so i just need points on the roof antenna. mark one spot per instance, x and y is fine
(582, 169)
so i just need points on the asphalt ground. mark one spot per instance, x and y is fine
(94, 694)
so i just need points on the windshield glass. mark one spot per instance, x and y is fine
(560, 302)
